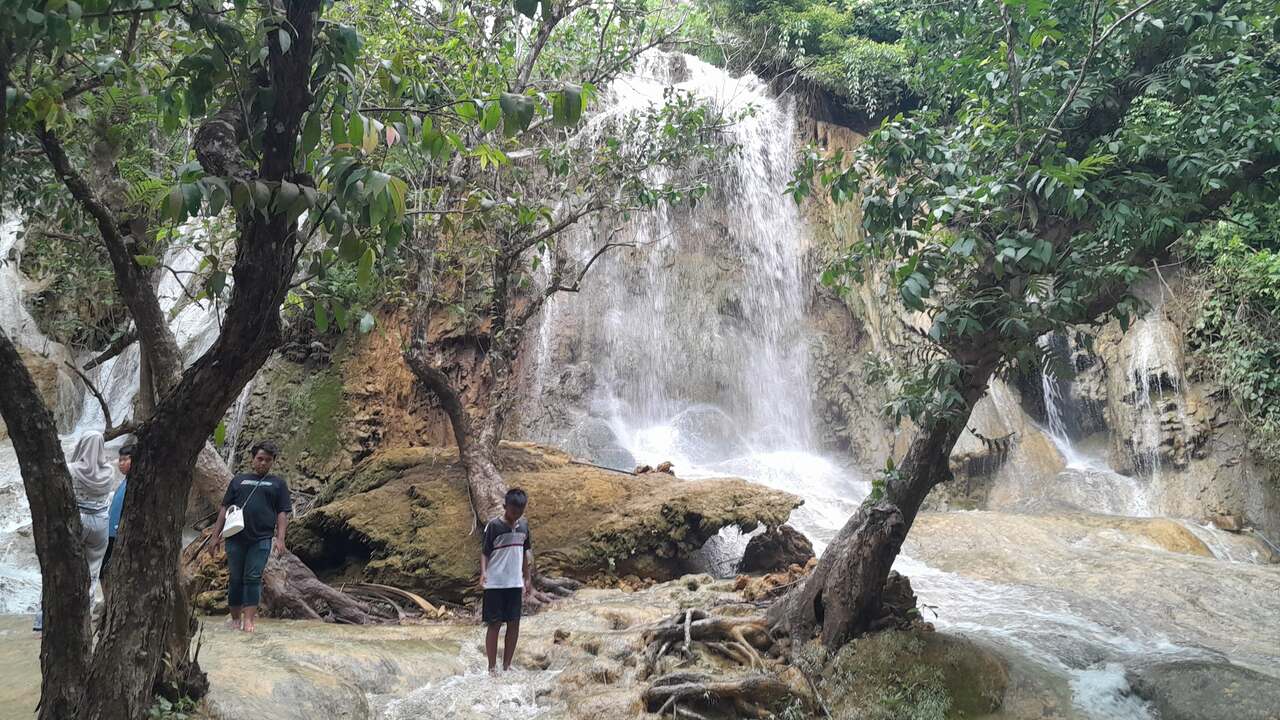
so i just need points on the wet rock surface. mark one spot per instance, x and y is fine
(776, 550)
(403, 518)
(1151, 580)
(1193, 690)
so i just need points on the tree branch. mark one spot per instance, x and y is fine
(148, 318)
(116, 347)
(1094, 45)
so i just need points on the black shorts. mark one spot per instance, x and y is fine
(502, 605)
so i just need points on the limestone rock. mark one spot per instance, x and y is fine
(56, 385)
(1199, 690)
(403, 518)
(775, 550)
(921, 670)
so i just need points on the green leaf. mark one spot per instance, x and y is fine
(338, 128)
(285, 39)
(492, 114)
(364, 272)
(527, 8)
(517, 113)
(261, 193)
(566, 107)
(311, 133)
(146, 261)
(349, 248)
(322, 318)
(366, 323)
(375, 182)
(220, 433)
(467, 110)
(217, 282)
(175, 204)
(355, 129)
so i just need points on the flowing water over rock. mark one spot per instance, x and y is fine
(195, 326)
(689, 355)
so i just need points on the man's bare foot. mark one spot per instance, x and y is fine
(247, 625)
(232, 624)
(493, 672)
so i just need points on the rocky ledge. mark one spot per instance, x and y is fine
(402, 518)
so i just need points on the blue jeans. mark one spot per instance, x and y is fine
(245, 561)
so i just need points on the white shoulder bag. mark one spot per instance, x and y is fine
(235, 515)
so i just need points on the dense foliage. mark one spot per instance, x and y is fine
(1236, 331)
(1068, 145)
(850, 48)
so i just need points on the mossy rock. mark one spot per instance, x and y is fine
(403, 518)
(913, 675)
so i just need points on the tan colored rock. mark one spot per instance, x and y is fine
(55, 385)
(403, 518)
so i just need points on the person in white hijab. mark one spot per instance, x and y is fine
(93, 478)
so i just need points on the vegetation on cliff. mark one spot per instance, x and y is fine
(1236, 330)
(852, 49)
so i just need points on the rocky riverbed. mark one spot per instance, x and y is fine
(1066, 616)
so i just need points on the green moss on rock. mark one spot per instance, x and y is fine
(913, 675)
(403, 518)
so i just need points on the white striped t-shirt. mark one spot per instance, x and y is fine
(505, 547)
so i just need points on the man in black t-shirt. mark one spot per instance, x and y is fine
(264, 498)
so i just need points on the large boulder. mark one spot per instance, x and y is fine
(776, 550)
(1204, 690)
(403, 518)
(913, 673)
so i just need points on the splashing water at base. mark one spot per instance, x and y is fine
(477, 695)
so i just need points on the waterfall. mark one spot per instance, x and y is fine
(195, 327)
(695, 338)
(1051, 389)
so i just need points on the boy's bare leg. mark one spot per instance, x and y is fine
(491, 646)
(509, 645)
(233, 622)
(250, 613)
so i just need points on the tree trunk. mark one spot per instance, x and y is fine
(55, 524)
(475, 431)
(841, 599)
(290, 589)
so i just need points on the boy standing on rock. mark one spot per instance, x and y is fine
(506, 564)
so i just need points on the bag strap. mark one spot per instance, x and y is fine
(251, 492)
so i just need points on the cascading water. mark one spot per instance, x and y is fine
(1088, 481)
(692, 347)
(696, 338)
(195, 326)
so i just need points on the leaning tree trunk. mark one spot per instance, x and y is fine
(476, 431)
(841, 599)
(136, 623)
(55, 523)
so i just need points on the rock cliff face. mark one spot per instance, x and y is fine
(403, 518)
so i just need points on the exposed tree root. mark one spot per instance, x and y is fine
(738, 639)
(547, 590)
(290, 589)
(695, 696)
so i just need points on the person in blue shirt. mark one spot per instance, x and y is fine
(124, 463)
